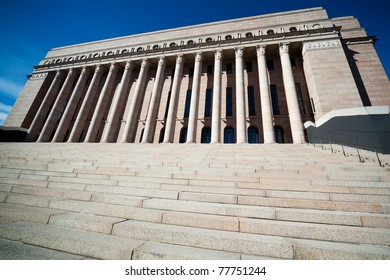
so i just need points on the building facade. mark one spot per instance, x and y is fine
(249, 80)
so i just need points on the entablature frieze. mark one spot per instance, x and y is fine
(320, 44)
(37, 76)
(336, 42)
(107, 57)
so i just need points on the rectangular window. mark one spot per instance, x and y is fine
(249, 67)
(209, 70)
(229, 68)
(275, 100)
(300, 99)
(229, 102)
(207, 107)
(251, 101)
(188, 104)
(270, 64)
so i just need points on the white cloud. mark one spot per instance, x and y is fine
(9, 87)
(5, 108)
(3, 116)
(4, 111)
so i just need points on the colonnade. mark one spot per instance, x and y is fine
(71, 83)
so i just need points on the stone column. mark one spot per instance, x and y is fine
(132, 118)
(43, 110)
(86, 106)
(101, 105)
(72, 105)
(55, 112)
(152, 111)
(171, 117)
(216, 113)
(113, 116)
(291, 95)
(265, 97)
(193, 117)
(240, 97)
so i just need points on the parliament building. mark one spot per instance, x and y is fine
(248, 80)
(84, 184)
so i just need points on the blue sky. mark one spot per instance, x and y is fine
(29, 29)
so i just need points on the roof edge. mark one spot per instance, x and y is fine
(192, 26)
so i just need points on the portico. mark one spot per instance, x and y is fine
(111, 96)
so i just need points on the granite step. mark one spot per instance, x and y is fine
(206, 239)
(87, 222)
(308, 231)
(28, 200)
(116, 199)
(250, 244)
(215, 220)
(212, 190)
(133, 191)
(161, 251)
(312, 204)
(334, 217)
(14, 250)
(108, 210)
(16, 212)
(78, 242)
(51, 193)
(210, 208)
(323, 250)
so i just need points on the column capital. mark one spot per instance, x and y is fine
(84, 70)
(284, 48)
(198, 56)
(161, 60)
(71, 71)
(179, 58)
(129, 64)
(112, 67)
(218, 53)
(144, 63)
(260, 50)
(239, 51)
(58, 73)
(98, 68)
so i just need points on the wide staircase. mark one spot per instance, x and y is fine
(192, 201)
